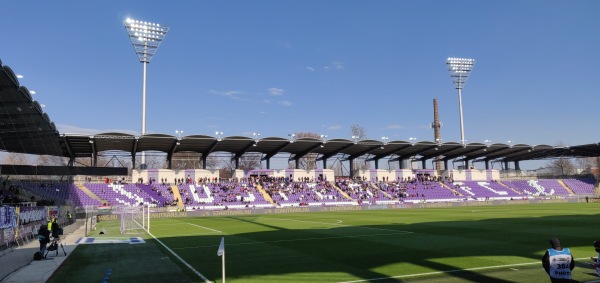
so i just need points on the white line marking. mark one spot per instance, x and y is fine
(448, 271)
(204, 227)
(338, 224)
(303, 239)
(181, 259)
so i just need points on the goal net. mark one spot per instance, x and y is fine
(133, 219)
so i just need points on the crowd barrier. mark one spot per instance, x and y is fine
(20, 224)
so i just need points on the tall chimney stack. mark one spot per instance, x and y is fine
(436, 125)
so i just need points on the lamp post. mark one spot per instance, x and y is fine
(145, 38)
(460, 68)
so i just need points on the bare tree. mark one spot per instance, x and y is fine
(156, 160)
(250, 160)
(309, 161)
(213, 162)
(83, 161)
(561, 166)
(186, 160)
(49, 160)
(15, 159)
(589, 165)
(359, 133)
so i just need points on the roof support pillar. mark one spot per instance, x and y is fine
(445, 164)
(203, 159)
(517, 165)
(424, 164)
(324, 163)
(376, 164)
(351, 168)
(268, 161)
(237, 163)
(505, 165)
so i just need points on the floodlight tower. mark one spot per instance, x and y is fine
(460, 68)
(145, 38)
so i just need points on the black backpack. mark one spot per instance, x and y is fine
(37, 256)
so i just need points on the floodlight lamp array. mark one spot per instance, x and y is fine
(459, 69)
(145, 37)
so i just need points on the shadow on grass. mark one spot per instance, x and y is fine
(376, 253)
(295, 250)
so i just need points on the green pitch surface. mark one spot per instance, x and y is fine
(466, 244)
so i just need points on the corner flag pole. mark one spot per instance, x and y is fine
(221, 253)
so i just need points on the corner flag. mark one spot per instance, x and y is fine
(221, 253)
(221, 250)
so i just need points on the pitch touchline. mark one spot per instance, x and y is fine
(449, 271)
(297, 240)
(181, 259)
(336, 224)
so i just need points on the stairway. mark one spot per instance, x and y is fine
(504, 185)
(265, 194)
(375, 188)
(566, 187)
(177, 195)
(344, 194)
(451, 189)
(90, 193)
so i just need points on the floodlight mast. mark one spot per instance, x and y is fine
(460, 68)
(145, 38)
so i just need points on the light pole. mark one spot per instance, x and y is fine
(178, 132)
(145, 38)
(460, 68)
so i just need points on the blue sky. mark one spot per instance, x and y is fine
(277, 67)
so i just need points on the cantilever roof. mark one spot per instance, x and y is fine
(25, 128)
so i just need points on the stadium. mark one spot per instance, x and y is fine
(157, 207)
(342, 210)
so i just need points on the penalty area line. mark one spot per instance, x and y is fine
(205, 228)
(181, 259)
(448, 271)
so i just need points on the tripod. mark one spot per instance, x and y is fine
(54, 247)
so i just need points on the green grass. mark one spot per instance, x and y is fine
(388, 245)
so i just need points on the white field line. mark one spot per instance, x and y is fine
(181, 259)
(298, 240)
(449, 271)
(204, 227)
(337, 224)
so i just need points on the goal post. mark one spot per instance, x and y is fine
(134, 219)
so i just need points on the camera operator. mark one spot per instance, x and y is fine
(44, 238)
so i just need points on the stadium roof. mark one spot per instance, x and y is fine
(25, 128)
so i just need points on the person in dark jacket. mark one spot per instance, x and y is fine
(44, 238)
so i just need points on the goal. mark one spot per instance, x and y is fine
(134, 219)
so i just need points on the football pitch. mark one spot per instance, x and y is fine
(462, 244)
